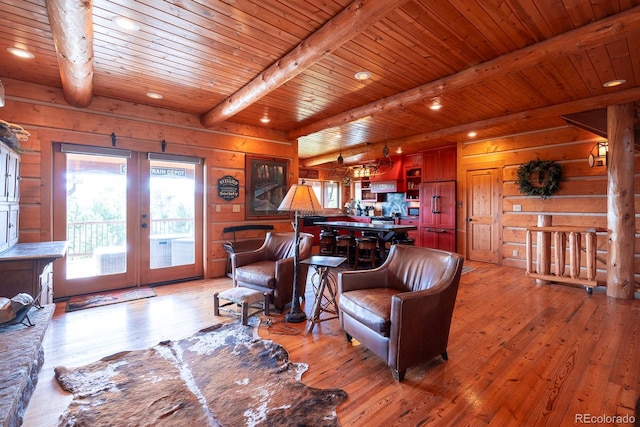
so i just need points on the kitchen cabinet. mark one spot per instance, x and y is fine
(9, 197)
(438, 201)
(365, 187)
(413, 178)
(438, 238)
(438, 215)
(439, 164)
(413, 160)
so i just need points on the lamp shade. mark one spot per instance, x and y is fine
(300, 198)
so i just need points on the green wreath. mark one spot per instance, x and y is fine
(549, 178)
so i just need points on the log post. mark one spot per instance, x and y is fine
(620, 202)
(543, 249)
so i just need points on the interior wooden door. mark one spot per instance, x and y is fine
(483, 204)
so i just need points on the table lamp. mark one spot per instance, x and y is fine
(299, 198)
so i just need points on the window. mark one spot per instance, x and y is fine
(331, 195)
(327, 192)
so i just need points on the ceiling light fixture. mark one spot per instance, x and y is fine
(265, 120)
(154, 95)
(21, 53)
(435, 104)
(472, 134)
(125, 23)
(362, 75)
(614, 83)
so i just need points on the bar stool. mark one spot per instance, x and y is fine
(327, 243)
(403, 239)
(344, 242)
(366, 248)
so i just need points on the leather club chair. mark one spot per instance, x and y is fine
(269, 268)
(401, 311)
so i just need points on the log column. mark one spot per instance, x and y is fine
(620, 202)
(543, 249)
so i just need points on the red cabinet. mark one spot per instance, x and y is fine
(438, 215)
(413, 178)
(438, 200)
(438, 238)
(439, 164)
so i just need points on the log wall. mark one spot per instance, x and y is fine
(580, 202)
(44, 113)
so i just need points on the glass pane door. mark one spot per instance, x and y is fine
(172, 212)
(130, 218)
(96, 190)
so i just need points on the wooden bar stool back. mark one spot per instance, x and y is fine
(327, 242)
(344, 242)
(366, 248)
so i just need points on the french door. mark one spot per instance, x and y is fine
(130, 218)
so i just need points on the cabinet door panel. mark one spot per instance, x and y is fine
(430, 167)
(4, 228)
(448, 161)
(438, 204)
(14, 224)
(428, 204)
(446, 204)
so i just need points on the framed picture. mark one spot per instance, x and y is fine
(266, 187)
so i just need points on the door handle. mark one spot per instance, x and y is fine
(469, 219)
(144, 225)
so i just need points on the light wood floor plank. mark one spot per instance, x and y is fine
(519, 353)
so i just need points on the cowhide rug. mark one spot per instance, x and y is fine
(224, 375)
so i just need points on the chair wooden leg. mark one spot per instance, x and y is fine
(245, 312)
(216, 305)
(267, 303)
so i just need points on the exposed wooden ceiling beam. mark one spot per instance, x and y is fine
(72, 30)
(343, 27)
(576, 40)
(417, 142)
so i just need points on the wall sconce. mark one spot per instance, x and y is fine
(598, 155)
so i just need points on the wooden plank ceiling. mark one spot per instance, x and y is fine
(496, 67)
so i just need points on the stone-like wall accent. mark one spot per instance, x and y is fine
(21, 357)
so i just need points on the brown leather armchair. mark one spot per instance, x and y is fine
(401, 311)
(270, 268)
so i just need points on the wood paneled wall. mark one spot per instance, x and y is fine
(44, 113)
(581, 200)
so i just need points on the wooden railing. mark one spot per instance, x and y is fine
(563, 239)
(85, 236)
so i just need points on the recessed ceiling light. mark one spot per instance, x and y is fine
(154, 95)
(435, 104)
(472, 134)
(125, 23)
(362, 75)
(614, 83)
(22, 53)
(265, 120)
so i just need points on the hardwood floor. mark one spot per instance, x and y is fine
(519, 354)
